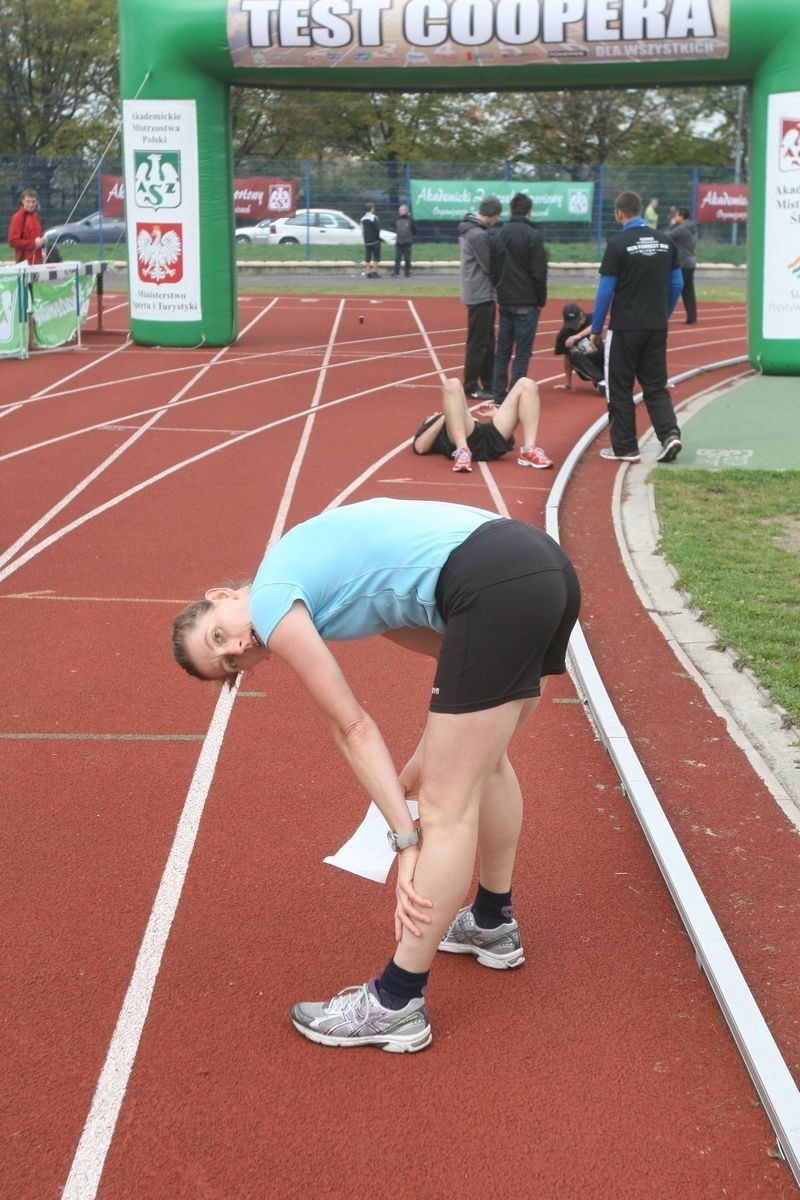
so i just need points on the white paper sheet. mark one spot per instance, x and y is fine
(368, 853)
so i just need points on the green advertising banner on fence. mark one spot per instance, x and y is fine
(13, 326)
(56, 309)
(449, 199)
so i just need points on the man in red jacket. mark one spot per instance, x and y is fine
(25, 230)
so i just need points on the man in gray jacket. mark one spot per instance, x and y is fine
(478, 294)
(684, 235)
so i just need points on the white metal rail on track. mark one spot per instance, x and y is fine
(770, 1075)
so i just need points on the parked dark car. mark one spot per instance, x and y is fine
(87, 230)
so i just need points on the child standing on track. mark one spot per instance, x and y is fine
(431, 577)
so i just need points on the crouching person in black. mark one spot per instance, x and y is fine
(577, 351)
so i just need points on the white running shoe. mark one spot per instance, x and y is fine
(356, 1017)
(499, 948)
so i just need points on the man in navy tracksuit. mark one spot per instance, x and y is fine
(641, 281)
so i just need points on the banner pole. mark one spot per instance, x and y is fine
(601, 176)
(100, 293)
(100, 199)
(308, 208)
(78, 301)
(22, 308)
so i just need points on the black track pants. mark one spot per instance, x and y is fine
(637, 354)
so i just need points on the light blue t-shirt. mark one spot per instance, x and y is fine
(364, 568)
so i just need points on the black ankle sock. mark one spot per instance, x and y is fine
(397, 986)
(491, 909)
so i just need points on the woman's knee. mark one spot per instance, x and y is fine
(440, 810)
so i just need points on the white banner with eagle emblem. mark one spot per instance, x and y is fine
(162, 209)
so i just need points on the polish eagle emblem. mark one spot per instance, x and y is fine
(159, 251)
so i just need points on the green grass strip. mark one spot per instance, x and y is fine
(734, 540)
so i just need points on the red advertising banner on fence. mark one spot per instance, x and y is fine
(254, 198)
(113, 195)
(258, 198)
(722, 202)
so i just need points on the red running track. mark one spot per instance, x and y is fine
(602, 1069)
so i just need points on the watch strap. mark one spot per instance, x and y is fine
(401, 841)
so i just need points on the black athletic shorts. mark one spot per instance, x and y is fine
(509, 597)
(372, 252)
(486, 442)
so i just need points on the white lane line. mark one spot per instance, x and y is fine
(428, 343)
(89, 599)
(242, 357)
(239, 387)
(486, 474)
(45, 393)
(33, 551)
(40, 546)
(370, 471)
(87, 1166)
(101, 737)
(52, 512)
(390, 454)
(31, 532)
(90, 1155)
(294, 470)
(227, 391)
(11, 408)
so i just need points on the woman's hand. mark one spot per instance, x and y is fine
(411, 777)
(409, 902)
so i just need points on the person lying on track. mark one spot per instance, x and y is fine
(455, 433)
(493, 600)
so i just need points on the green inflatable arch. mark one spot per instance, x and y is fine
(179, 58)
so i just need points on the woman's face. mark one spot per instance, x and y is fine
(223, 641)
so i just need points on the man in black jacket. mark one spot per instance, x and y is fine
(640, 281)
(518, 268)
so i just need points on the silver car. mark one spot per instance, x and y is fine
(87, 230)
(318, 226)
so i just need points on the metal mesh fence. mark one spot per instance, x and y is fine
(69, 188)
(346, 186)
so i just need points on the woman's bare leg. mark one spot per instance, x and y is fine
(501, 820)
(462, 765)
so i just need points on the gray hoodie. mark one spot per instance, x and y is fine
(473, 246)
(684, 235)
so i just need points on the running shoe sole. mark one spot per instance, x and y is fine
(525, 462)
(393, 1045)
(612, 457)
(670, 451)
(485, 957)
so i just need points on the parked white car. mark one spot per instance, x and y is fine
(319, 226)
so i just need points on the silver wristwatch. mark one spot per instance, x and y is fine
(401, 841)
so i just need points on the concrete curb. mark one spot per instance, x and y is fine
(261, 274)
(754, 722)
